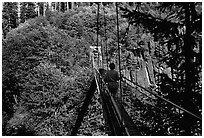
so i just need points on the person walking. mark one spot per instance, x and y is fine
(112, 78)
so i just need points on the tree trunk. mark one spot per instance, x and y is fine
(41, 9)
(67, 6)
(187, 50)
(188, 72)
(62, 5)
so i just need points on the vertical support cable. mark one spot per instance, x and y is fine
(121, 95)
(98, 31)
(101, 52)
(106, 53)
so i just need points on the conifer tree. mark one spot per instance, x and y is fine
(176, 26)
(27, 11)
(9, 16)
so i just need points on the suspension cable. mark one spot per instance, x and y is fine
(98, 31)
(118, 39)
(164, 99)
(106, 42)
(119, 61)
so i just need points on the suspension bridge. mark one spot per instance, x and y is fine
(142, 83)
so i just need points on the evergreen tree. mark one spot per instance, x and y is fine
(9, 16)
(176, 26)
(62, 5)
(27, 11)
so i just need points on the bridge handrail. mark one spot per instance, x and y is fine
(112, 101)
(164, 99)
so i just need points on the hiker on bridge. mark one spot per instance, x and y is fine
(112, 78)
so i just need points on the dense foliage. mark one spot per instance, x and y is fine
(46, 70)
(27, 11)
(45, 78)
(94, 123)
(177, 29)
(9, 17)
